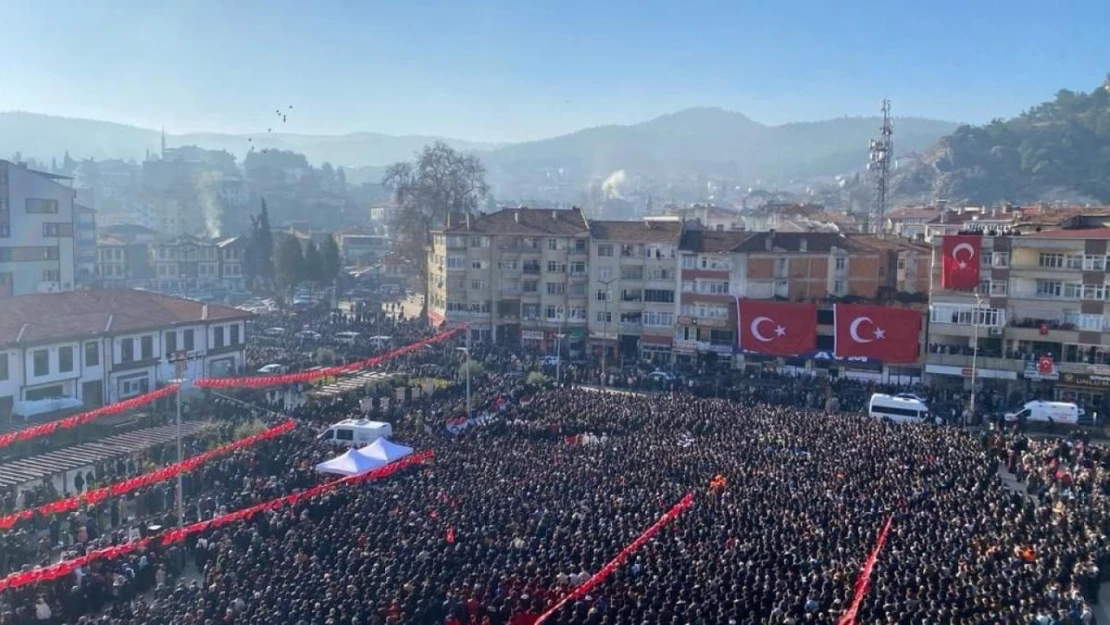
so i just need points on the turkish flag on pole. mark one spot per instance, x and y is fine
(776, 328)
(960, 269)
(890, 335)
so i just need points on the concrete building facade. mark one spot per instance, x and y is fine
(36, 232)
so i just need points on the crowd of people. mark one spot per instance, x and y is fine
(789, 500)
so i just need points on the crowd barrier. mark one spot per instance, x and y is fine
(97, 495)
(235, 382)
(61, 569)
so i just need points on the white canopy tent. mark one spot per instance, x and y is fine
(384, 451)
(350, 463)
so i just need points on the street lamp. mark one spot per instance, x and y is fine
(559, 358)
(977, 319)
(466, 350)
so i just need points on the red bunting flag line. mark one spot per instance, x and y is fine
(316, 374)
(117, 489)
(47, 429)
(61, 569)
(863, 582)
(608, 569)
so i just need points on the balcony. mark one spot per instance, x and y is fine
(982, 362)
(631, 328)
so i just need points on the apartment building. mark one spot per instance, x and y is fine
(715, 268)
(518, 276)
(101, 347)
(1041, 294)
(84, 244)
(185, 263)
(36, 231)
(633, 283)
(232, 253)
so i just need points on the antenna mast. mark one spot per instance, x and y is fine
(880, 152)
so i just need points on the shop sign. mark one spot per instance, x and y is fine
(1042, 369)
(532, 335)
(1085, 380)
(996, 374)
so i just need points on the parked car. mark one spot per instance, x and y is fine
(308, 335)
(273, 369)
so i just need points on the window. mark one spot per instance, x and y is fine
(218, 337)
(127, 350)
(578, 268)
(531, 286)
(3, 366)
(57, 229)
(556, 267)
(1052, 260)
(455, 262)
(171, 342)
(477, 264)
(553, 244)
(507, 264)
(581, 245)
(962, 314)
(658, 319)
(1049, 288)
(605, 249)
(344, 434)
(713, 287)
(40, 205)
(553, 313)
(577, 289)
(65, 359)
(605, 273)
(531, 266)
(479, 241)
(147, 346)
(556, 288)
(41, 362)
(530, 311)
(631, 250)
(602, 295)
(189, 340)
(632, 273)
(663, 296)
(92, 354)
(478, 285)
(130, 387)
(838, 287)
(689, 262)
(604, 316)
(841, 263)
(577, 313)
(659, 273)
(632, 295)
(511, 286)
(51, 275)
(235, 338)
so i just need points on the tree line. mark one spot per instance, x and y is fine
(288, 263)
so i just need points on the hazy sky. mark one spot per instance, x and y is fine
(501, 70)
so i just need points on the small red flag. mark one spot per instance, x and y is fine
(451, 535)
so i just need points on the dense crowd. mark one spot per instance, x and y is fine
(510, 516)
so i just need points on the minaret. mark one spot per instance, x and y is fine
(163, 156)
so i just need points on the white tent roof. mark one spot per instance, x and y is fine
(384, 451)
(350, 463)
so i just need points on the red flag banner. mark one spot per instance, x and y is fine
(65, 567)
(890, 335)
(960, 269)
(116, 489)
(863, 582)
(46, 429)
(776, 328)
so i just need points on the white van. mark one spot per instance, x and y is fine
(898, 409)
(1047, 412)
(347, 338)
(357, 432)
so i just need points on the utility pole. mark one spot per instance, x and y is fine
(180, 361)
(559, 358)
(978, 319)
(468, 365)
(605, 339)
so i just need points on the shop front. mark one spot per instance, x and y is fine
(532, 340)
(1090, 391)
(656, 349)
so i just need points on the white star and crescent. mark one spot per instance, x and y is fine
(877, 333)
(754, 328)
(962, 263)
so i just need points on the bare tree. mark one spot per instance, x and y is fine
(439, 183)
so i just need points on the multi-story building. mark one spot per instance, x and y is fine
(633, 283)
(123, 255)
(232, 253)
(101, 347)
(1041, 294)
(84, 244)
(518, 276)
(185, 263)
(36, 231)
(717, 267)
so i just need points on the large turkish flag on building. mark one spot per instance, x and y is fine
(776, 328)
(891, 335)
(960, 269)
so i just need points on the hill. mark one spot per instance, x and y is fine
(709, 142)
(1058, 150)
(47, 136)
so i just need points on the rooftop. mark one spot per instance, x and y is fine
(648, 231)
(926, 212)
(713, 241)
(523, 221)
(55, 317)
(1070, 233)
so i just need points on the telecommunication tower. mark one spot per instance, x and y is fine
(880, 153)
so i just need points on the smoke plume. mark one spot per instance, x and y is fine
(615, 185)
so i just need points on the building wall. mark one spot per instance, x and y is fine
(36, 248)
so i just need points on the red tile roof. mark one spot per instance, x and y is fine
(55, 317)
(523, 221)
(649, 231)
